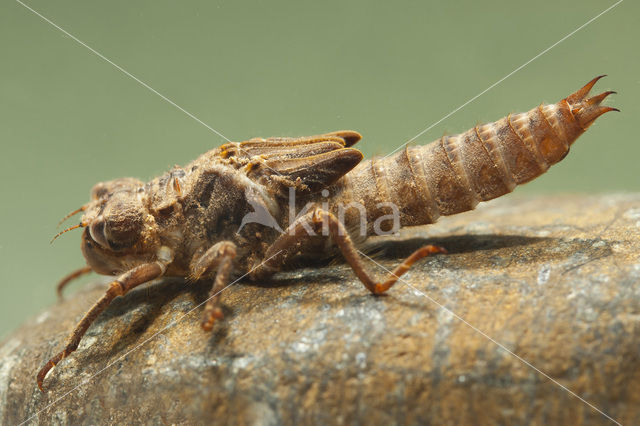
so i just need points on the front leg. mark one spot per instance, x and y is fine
(72, 276)
(286, 246)
(218, 258)
(119, 287)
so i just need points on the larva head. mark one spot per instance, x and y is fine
(586, 110)
(118, 226)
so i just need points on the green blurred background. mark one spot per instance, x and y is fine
(387, 69)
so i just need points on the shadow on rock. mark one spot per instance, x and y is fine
(455, 244)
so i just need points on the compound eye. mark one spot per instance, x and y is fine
(102, 189)
(117, 229)
(99, 190)
(96, 230)
(123, 230)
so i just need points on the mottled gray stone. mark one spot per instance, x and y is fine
(555, 280)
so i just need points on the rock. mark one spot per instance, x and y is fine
(540, 288)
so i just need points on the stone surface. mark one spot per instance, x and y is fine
(555, 280)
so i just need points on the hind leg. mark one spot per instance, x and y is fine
(286, 246)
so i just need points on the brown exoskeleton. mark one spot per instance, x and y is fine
(224, 212)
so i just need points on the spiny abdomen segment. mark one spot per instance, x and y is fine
(454, 173)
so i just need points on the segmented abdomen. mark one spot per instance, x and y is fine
(454, 173)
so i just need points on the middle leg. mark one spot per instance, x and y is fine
(219, 257)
